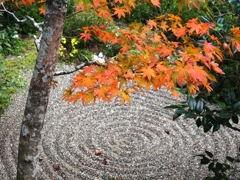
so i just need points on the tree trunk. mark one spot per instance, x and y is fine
(38, 95)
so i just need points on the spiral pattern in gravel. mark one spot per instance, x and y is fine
(137, 141)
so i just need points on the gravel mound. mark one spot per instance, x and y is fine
(137, 141)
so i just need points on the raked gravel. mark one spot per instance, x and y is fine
(139, 141)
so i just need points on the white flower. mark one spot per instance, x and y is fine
(16, 36)
(99, 60)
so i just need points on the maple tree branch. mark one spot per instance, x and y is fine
(79, 67)
(37, 25)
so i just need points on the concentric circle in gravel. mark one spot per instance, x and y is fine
(136, 141)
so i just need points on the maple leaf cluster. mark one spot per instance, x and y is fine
(148, 58)
(162, 52)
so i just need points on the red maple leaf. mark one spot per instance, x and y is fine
(85, 36)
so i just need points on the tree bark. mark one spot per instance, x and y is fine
(38, 95)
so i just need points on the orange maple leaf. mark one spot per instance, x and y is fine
(152, 23)
(88, 82)
(198, 73)
(216, 68)
(28, 2)
(156, 3)
(163, 25)
(193, 25)
(131, 3)
(181, 70)
(101, 93)
(120, 12)
(104, 13)
(87, 97)
(148, 72)
(192, 88)
(125, 97)
(42, 10)
(179, 32)
(235, 40)
(165, 50)
(129, 74)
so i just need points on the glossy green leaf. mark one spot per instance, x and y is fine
(176, 115)
(171, 107)
(236, 106)
(210, 166)
(199, 106)
(209, 154)
(205, 120)
(231, 95)
(207, 178)
(199, 122)
(207, 127)
(216, 127)
(225, 114)
(219, 167)
(230, 158)
(191, 102)
(205, 160)
(235, 119)
(189, 115)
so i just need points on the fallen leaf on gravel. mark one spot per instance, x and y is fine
(57, 167)
(167, 131)
(105, 161)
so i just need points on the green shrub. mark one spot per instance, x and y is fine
(10, 69)
(142, 12)
(75, 52)
(9, 83)
(75, 22)
(10, 43)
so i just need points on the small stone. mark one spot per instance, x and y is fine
(97, 152)
(40, 158)
(84, 163)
